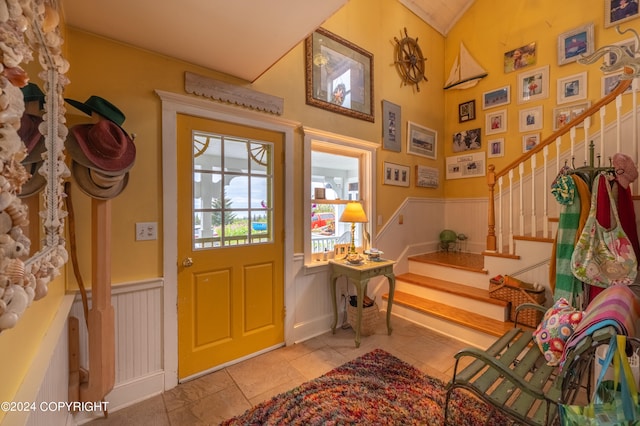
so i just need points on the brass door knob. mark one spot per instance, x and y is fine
(187, 262)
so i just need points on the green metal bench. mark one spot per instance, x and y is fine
(512, 375)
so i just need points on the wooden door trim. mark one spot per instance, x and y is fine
(173, 104)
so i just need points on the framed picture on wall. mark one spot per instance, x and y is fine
(466, 140)
(575, 43)
(391, 127)
(572, 88)
(396, 174)
(496, 148)
(530, 119)
(533, 85)
(530, 141)
(565, 114)
(521, 57)
(427, 177)
(467, 111)
(619, 11)
(496, 122)
(610, 82)
(496, 97)
(339, 75)
(421, 140)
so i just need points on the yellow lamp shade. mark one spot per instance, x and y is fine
(354, 212)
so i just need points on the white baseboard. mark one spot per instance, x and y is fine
(126, 394)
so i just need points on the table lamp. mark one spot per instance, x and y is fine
(353, 213)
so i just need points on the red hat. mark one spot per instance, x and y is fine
(29, 132)
(626, 170)
(102, 146)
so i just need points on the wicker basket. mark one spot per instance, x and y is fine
(510, 291)
(369, 318)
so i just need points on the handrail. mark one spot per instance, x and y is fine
(620, 88)
(493, 176)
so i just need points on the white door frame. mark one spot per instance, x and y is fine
(173, 104)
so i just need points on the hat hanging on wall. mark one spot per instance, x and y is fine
(102, 155)
(103, 146)
(96, 184)
(33, 140)
(31, 92)
(100, 106)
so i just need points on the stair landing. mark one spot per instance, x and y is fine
(467, 261)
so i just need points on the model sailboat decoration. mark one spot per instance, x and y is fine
(466, 72)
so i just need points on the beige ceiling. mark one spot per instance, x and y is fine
(242, 38)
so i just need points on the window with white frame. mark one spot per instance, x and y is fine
(338, 170)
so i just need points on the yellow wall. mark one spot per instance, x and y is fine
(128, 76)
(19, 345)
(492, 27)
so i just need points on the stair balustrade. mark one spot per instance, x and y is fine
(520, 206)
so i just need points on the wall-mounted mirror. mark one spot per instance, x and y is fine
(32, 33)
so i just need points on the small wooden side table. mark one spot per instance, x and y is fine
(360, 275)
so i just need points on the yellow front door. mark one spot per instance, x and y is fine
(230, 242)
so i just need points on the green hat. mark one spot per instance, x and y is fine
(100, 106)
(31, 92)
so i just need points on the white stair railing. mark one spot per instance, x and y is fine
(530, 216)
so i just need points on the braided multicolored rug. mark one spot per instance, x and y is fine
(375, 389)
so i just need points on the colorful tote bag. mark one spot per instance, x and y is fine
(603, 257)
(615, 402)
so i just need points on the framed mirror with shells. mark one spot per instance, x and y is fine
(30, 31)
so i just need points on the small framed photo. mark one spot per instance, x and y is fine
(565, 114)
(319, 193)
(396, 174)
(575, 43)
(466, 166)
(530, 119)
(530, 141)
(618, 11)
(533, 85)
(497, 97)
(572, 88)
(610, 82)
(421, 140)
(495, 122)
(467, 140)
(340, 250)
(496, 148)
(467, 111)
(427, 177)
(391, 127)
(521, 57)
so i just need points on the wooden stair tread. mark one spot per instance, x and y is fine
(451, 288)
(466, 261)
(452, 314)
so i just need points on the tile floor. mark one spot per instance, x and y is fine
(229, 392)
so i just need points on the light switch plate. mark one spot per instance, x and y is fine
(146, 231)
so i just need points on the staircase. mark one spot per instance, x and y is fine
(448, 292)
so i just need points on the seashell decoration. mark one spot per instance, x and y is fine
(23, 278)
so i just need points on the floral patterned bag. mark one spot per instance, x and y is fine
(603, 257)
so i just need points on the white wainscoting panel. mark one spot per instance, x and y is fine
(468, 216)
(138, 337)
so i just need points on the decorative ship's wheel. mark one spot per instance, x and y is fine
(409, 60)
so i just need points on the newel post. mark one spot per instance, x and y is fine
(491, 232)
